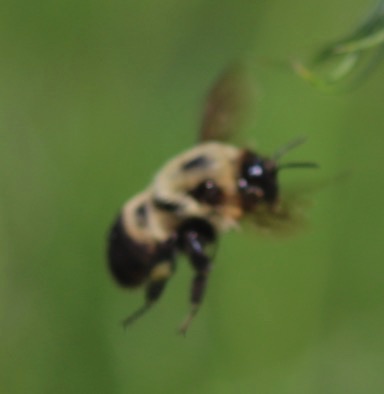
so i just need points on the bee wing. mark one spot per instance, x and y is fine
(288, 218)
(230, 105)
(297, 199)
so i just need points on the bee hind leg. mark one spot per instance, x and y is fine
(155, 287)
(135, 315)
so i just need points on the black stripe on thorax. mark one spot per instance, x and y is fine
(165, 205)
(195, 163)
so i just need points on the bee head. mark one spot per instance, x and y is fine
(258, 180)
(258, 175)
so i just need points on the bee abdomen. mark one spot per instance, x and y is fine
(127, 258)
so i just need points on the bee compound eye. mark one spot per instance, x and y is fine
(208, 192)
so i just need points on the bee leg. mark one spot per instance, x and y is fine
(135, 315)
(159, 275)
(198, 288)
(194, 248)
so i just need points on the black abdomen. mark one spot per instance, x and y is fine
(128, 260)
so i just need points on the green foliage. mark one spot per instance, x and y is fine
(346, 63)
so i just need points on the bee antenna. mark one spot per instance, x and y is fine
(302, 164)
(288, 147)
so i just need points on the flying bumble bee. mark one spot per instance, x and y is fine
(195, 196)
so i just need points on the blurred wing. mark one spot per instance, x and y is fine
(287, 219)
(230, 105)
(292, 214)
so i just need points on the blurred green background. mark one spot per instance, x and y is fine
(94, 97)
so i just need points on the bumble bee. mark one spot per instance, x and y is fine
(204, 191)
